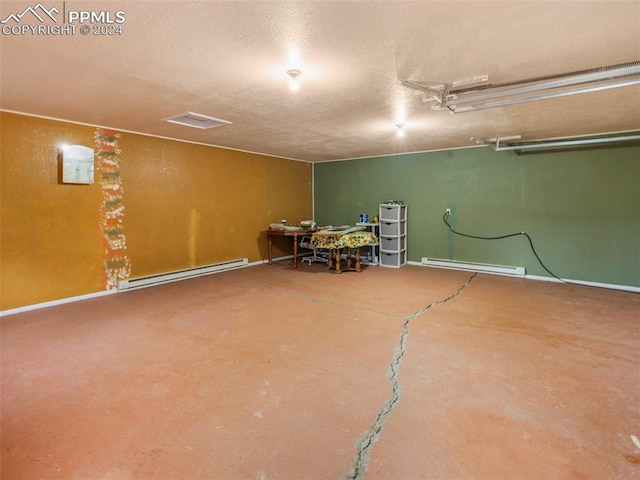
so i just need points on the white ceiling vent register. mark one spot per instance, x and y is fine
(196, 120)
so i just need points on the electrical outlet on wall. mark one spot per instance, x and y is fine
(448, 211)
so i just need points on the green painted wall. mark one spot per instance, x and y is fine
(581, 207)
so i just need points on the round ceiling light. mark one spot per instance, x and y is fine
(294, 83)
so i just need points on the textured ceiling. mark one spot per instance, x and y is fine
(229, 60)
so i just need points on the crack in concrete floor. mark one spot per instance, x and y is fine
(360, 462)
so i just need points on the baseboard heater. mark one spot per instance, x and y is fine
(475, 267)
(160, 278)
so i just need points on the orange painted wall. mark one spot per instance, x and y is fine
(184, 205)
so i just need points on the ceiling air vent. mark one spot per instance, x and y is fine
(196, 120)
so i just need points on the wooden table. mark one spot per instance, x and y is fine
(335, 260)
(350, 240)
(287, 233)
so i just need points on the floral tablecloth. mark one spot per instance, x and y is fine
(332, 240)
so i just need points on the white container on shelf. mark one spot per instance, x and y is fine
(392, 229)
(393, 243)
(393, 213)
(392, 259)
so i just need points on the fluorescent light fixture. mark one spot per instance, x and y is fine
(556, 143)
(454, 105)
(459, 100)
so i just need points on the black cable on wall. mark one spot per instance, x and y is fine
(445, 220)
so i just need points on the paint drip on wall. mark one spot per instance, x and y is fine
(116, 263)
(194, 229)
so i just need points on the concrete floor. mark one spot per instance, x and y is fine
(275, 373)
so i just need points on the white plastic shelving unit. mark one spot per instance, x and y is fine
(393, 235)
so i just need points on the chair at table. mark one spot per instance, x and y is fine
(305, 242)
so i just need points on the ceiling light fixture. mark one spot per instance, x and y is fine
(400, 132)
(294, 83)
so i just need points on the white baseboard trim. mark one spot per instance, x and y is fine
(53, 303)
(611, 286)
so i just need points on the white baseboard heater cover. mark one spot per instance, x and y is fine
(160, 278)
(475, 267)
